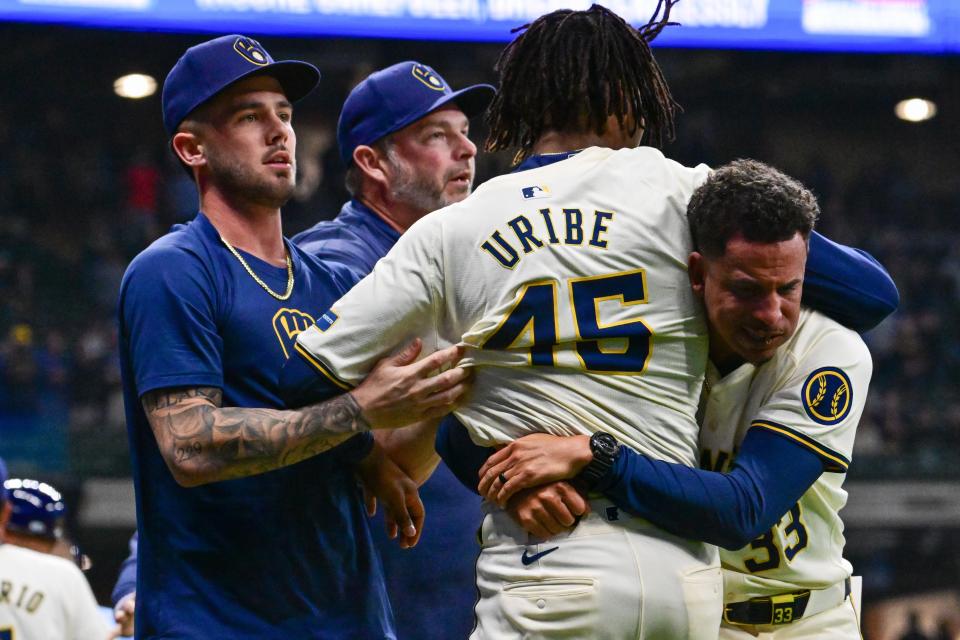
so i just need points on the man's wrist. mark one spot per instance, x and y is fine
(359, 402)
(605, 450)
(582, 455)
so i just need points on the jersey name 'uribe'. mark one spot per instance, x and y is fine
(568, 226)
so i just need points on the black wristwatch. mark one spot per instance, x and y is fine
(606, 450)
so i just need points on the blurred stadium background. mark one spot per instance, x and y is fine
(809, 86)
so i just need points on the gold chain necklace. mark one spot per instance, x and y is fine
(257, 278)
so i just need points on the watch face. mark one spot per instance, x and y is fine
(604, 443)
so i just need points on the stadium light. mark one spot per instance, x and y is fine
(915, 109)
(135, 86)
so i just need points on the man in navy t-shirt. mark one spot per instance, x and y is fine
(251, 523)
(403, 135)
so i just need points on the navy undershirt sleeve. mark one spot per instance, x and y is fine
(730, 509)
(848, 285)
(462, 456)
(727, 509)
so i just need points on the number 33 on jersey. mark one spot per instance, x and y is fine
(812, 391)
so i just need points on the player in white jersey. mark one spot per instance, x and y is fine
(785, 390)
(813, 390)
(591, 283)
(577, 267)
(45, 596)
(42, 595)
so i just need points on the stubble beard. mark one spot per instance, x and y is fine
(417, 190)
(242, 181)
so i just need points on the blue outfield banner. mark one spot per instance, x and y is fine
(922, 26)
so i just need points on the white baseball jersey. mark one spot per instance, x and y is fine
(813, 392)
(578, 268)
(44, 597)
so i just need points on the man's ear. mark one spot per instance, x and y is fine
(695, 271)
(371, 163)
(189, 148)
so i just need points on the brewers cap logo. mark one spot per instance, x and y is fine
(827, 395)
(426, 75)
(251, 51)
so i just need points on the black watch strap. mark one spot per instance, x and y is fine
(606, 450)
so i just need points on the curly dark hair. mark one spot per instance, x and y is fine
(572, 70)
(752, 199)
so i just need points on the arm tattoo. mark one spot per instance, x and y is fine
(201, 439)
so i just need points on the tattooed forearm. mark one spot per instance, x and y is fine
(188, 451)
(204, 442)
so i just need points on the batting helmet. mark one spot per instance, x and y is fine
(37, 508)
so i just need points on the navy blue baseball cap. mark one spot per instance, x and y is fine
(210, 67)
(38, 508)
(390, 99)
(3, 481)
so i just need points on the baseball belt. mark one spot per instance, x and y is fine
(786, 608)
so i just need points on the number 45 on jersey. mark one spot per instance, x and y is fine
(620, 346)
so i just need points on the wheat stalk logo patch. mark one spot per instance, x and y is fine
(827, 395)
